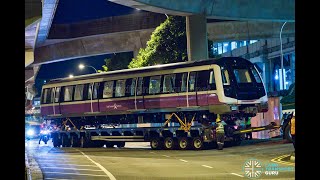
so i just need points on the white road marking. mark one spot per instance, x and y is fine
(152, 152)
(99, 165)
(71, 169)
(165, 156)
(237, 174)
(74, 174)
(72, 164)
(206, 166)
(58, 179)
(183, 160)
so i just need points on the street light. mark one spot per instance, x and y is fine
(81, 66)
(282, 74)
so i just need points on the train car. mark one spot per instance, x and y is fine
(169, 105)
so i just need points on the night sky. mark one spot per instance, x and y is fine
(72, 11)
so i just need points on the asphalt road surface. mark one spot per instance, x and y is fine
(255, 159)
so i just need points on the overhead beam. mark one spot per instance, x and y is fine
(270, 10)
(248, 30)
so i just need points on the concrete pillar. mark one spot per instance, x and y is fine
(293, 66)
(197, 41)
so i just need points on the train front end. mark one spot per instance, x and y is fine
(240, 87)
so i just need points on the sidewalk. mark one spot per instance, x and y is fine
(33, 171)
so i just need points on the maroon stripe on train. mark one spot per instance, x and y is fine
(128, 104)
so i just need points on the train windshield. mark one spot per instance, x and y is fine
(242, 82)
(246, 75)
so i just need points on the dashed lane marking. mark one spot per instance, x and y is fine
(99, 165)
(237, 174)
(71, 164)
(165, 156)
(183, 160)
(206, 166)
(75, 174)
(58, 179)
(71, 169)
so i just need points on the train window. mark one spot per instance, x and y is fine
(95, 88)
(192, 81)
(154, 84)
(46, 96)
(132, 86)
(225, 76)
(52, 94)
(203, 80)
(212, 82)
(184, 82)
(78, 93)
(57, 95)
(169, 83)
(256, 75)
(139, 86)
(68, 92)
(120, 88)
(242, 75)
(108, 89)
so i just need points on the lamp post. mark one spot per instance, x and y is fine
(81, 66)
(282, 74)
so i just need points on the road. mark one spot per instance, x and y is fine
(138, 161)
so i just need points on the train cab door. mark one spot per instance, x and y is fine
(203, 86)
(139, 98)
(187, 93)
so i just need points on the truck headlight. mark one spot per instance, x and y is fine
(30, 132)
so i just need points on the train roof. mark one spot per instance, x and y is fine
(146, 69)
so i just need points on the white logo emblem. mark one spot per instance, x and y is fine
(114, 106)
(252, 168)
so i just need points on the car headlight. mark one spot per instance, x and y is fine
(30, 132)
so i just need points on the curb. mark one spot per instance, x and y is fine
(33, 171)
(27, 167)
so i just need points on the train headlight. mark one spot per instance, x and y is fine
(234, 108)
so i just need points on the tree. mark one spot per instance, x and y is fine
(117, 61)
(168, 44)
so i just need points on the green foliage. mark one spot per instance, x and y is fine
(117, 61)
(168, 44)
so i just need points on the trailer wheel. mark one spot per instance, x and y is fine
(65, 141)
(156, 143)
(75, 141)
(84, 143)
(121, 144)
(287, 133)
(169, 143)
(109, 144)
(56, 141)
(183, 143)
(197, 143)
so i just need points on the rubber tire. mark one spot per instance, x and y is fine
(84, 142)
(158, 142)
(197, 140)
(56, 141)
(121, 144)
(287, 134)
(183, 146)
(75, 141)
(166, 143)
(109, 144)
(65, 141)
